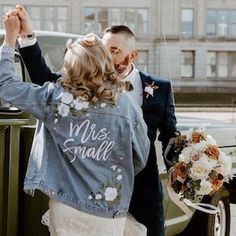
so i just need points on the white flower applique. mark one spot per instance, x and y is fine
(98, 196)
(66, 98)
(79, 103)
(103, 104)
(113, 167)
(75, 106)
(109, 192)
(64, 107)
(119, 177)
(63, 110)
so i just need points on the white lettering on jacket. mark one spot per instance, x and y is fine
(87, 132)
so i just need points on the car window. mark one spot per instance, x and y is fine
(53, 57)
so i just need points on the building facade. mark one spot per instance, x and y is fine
(190, 42)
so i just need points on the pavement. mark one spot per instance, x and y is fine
(221, 114)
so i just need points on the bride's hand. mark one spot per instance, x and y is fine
(11, 24)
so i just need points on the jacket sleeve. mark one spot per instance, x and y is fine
(38, 71)
(167, 126)
(26, 96)
(140, 142)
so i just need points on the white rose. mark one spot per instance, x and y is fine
(79, 105)
(205, 188)
(212, 162)
(185, 155)
(66, 98)
(184, 158)
(85, 104)
(199, 147)
(110, 194)
(200, 169)
(63, 109)
(189, 134)
(226, 164)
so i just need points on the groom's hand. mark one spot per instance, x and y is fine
(26, 24)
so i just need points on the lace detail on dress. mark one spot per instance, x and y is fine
(67, 221)
(45, 218)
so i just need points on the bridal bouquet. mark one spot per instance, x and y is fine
(199, 166)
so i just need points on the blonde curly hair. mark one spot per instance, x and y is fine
(88, 71)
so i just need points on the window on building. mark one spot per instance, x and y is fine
(221, 65)
(142, 21)
(3, 10)
(142, 60)
(102, 19)
(116, 16)
(129, 18)
(211, 22)
(187, 64)
(52, 18)
(221, 22)
(187, 22)
(96, 19)
(89, 19)
(48, 18)
(232, 28)
(62, 18)
(232, 69)
(35, 14)
(211, 64)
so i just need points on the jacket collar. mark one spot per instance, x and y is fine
(145, 79)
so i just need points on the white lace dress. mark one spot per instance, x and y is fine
(67, 221)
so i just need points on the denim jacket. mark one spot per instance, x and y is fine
(82, 155)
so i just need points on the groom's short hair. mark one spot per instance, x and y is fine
(117, 29)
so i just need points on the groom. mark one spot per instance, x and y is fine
(153, 94)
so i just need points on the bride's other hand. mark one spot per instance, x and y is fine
(11, 24)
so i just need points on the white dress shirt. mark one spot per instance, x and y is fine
(134, 78)
(25, 42)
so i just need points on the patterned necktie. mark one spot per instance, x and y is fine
(128, 86)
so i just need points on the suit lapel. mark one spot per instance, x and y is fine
(145, 79)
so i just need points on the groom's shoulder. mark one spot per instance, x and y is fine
(156, 79)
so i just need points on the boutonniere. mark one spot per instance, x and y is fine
(149, 89)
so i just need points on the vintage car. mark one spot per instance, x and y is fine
(21, 214)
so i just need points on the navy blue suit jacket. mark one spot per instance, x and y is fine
(158, 112)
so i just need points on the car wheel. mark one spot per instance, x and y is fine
(209, 224)
(219, 224)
